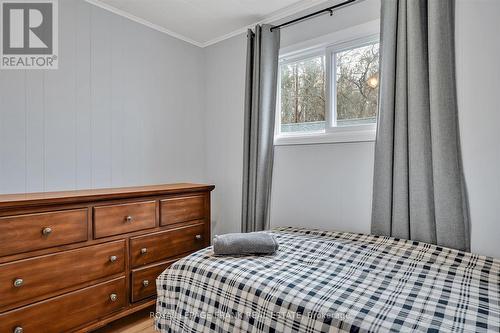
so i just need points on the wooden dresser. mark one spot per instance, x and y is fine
(75, 261)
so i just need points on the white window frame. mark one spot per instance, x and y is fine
(328, 45)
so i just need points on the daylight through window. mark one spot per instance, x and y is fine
(332, 88)
(303, 98)
(356, 75)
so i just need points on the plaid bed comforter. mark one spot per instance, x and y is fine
(330, 282)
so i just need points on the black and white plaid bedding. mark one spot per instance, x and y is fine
(330, 282)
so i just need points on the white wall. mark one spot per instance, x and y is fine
(224, 91)
(361, 12)
(326, 186)
(125, 107)
(478, 77)
(329, 186)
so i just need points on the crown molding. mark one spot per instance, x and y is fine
(139, 20)
(275, 16)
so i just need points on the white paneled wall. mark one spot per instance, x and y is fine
(225, 94)
(124, 108)
(324, 186)
(478, 80)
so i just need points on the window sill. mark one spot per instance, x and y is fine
(336, 136)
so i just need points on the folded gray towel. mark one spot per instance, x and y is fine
(245, 243)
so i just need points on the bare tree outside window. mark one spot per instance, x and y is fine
(303, 97)
(357, 85)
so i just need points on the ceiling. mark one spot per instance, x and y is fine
(204, 22)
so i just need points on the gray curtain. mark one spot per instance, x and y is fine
(419, 190)
(260, 106)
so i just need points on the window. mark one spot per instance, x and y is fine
(356, 85)
(303, 101)
(329, 94)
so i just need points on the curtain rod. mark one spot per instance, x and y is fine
(308, 16)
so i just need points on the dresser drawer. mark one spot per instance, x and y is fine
(22, 280)
(144, 280)
(123, 218)
(182, 209)
(160, 245)
(66, 312)
(23, 233)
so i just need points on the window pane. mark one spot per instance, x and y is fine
(357, 85)
(303, 95)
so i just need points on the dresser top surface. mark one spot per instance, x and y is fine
(63, 197)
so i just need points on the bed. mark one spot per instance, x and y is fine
(332, 282)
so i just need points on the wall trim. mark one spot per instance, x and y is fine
(273, 17)
(139, 20)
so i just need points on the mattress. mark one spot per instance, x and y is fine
(332, 282)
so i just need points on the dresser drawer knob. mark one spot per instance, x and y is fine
(113, 297)
(46, 231)
(144, 250)
(129, 219)
(18, 329)
(18, 282)
(145, 283)
(198, 237)
(113, 258)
